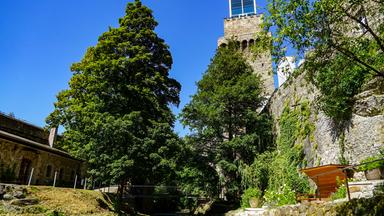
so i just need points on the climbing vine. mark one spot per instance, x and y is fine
(284, 179)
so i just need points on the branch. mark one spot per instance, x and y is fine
(366, 26)
(348, 53)
(352, 56)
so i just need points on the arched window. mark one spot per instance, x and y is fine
(244, 45)
(48, 173)
(223, 45)
(251, 43)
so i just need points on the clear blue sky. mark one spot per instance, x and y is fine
(40, 39)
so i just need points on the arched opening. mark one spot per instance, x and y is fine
(61, 174)
(251, 43)
(48, 173)
(73, 174)
(244, 45)
(223, 45)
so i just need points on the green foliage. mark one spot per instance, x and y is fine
(340, 40)
(227, 128)
(364, 206)
(248, 194)
(257, 174)
(56, 213)
(341, 193)
(368, 163)
(283, 196)
(116, 111)
(276, 172)
(196, 177)
(379, 190)
(227, 98)
(339, 81)
(284, 177)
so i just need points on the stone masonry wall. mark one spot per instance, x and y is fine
(244, 29)
(364, 135)
(235, 27)
(12, 155)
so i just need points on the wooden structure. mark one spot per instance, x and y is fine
(326, 178)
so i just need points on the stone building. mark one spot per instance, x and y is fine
(26, 149)
(242, 26)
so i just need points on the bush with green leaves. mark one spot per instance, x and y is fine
(364, 206)
(257, 174)
(284, 196)
(372, 162)
(341, 193)
(379, 190)
(249, 194)
(284, 177)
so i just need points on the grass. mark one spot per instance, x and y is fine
(62, 202)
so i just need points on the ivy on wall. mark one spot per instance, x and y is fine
(295, 127)
(276, 172)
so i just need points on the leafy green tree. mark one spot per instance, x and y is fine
(224, 117)
(197, 178)
(342, 42)
(116, 111)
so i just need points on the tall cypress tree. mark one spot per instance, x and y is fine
(116, 111)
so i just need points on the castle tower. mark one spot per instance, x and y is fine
(242, 26)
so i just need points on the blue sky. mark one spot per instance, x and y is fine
(40, 39)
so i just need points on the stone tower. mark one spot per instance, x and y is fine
(242, 26)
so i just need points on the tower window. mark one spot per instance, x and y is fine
(242, 7)
(248, 6)
(236, 7)
(244, 45)
(251, 43)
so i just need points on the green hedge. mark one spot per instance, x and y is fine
(372, 206)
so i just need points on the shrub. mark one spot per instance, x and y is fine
(248, 194)
(257, 174)
(373, 165)
(379, 190)
(341, 193)
(365, 206)
(285, 196)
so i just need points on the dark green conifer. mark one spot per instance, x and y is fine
(116, 111)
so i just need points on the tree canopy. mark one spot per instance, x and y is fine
(224, 116)
(341, 41)
(116, 111)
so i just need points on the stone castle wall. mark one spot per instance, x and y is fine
(364, 134)
(246, 25)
